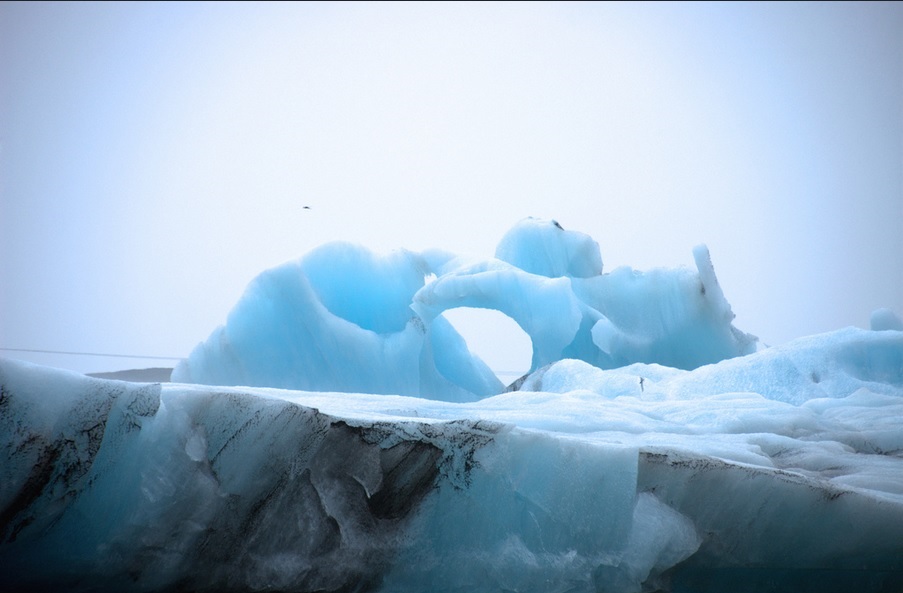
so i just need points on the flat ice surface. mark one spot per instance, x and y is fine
(781, 468)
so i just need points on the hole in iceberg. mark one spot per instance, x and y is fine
(495, 338)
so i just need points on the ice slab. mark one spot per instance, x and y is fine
(598, 482)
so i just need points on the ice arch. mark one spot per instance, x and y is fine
(343, 318)
(545, 308)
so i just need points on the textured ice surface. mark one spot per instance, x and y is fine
(781, 470)
(345, 319)
(651, 448)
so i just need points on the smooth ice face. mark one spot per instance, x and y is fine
(339, 319)
(544, 248)
(345, 319)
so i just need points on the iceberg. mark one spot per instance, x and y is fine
(343, 318)
(337, 435)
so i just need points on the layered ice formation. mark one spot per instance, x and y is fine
(305, 324)
(651, 448)
(780, 469)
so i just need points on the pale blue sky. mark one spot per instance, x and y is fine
(154, 157)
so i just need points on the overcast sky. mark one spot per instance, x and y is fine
(154, 157)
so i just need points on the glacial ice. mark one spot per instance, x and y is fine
(304, 324)
(651, 448)
(782, 466)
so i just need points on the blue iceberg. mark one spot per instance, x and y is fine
(336, 434)
(345, 319)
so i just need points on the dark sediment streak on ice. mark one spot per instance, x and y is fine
(264, 494)
(116, 486)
